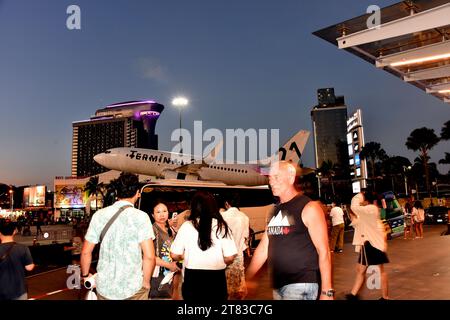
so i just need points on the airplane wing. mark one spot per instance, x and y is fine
(191, 168)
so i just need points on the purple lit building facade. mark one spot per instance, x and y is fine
(126, 124)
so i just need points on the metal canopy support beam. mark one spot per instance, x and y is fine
(440, 87)
(433, 73)
(416, 53)
(425, 20)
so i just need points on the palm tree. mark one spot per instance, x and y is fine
(393, 166)
(446, 160)
(445, 132)
(111, 192)
(372, 152)
(93, 187)
(445, 135)
(423, 140)
(328, 170)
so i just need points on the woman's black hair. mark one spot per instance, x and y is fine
(408, 207)
(372, 197)
(203, 210)
(418, 205)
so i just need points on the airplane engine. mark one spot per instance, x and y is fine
(169, 174)
(191, 177)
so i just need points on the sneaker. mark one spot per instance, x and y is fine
(339, 251)
(351, 296)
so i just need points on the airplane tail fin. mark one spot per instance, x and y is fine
(292, 150)
(211, 157)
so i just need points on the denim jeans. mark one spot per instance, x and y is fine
(297, 291)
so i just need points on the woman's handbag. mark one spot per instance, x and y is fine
(156, 290)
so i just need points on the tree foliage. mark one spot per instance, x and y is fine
(423, 140)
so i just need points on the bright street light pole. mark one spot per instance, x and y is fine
(406, 179)
(319, 174)
(180, 102)
(11, 192)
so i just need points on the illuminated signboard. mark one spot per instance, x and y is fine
(70, 196)
(34, 196)
(349, 138)
(355, 143)
(356, 186)
(357, 159)
(350, 150)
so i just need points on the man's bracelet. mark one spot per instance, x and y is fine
(85, 276)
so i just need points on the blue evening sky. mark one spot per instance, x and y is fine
(242, 63)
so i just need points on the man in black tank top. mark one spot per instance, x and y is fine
(295, 242)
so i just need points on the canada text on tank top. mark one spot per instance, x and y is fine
(283, 222)
(280, 224)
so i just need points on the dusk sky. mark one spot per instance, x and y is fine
(242, 64)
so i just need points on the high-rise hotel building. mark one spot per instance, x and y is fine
(126, 124)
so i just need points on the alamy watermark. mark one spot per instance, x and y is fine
(74, 280)
(73, 21)
(250, 146)
(373, 281)
(374, 20)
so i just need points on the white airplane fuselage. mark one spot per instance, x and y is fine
(169, 165)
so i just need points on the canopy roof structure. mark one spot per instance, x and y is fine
(412, 42)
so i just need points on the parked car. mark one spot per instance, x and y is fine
(438, 214)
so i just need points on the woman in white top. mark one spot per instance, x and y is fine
(418, 215)
(370, 241)
(206, 246)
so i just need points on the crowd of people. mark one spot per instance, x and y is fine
(198, 254)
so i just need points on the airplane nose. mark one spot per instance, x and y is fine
(100, 158)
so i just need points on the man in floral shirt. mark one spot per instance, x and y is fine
(127, 255)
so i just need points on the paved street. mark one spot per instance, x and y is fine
(58, 233)
(419, 270)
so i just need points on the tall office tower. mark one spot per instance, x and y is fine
(126, 124)
(329, 119)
